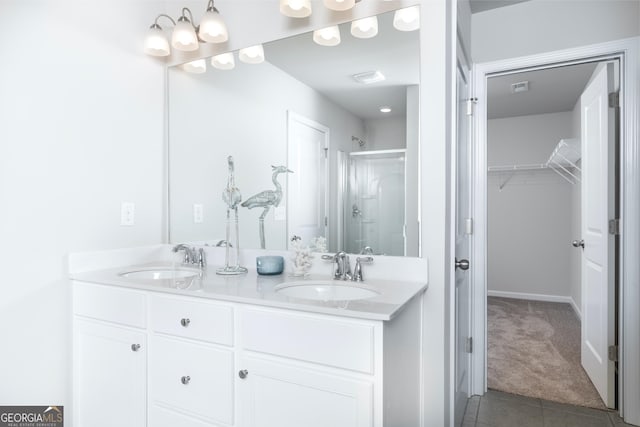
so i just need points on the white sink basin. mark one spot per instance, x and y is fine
(161, 274)
(325, 290)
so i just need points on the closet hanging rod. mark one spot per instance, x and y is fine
(514, 168)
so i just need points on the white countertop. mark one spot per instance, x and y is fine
(252, 288)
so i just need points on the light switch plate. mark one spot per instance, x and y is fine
(127, 213)
(198, 213)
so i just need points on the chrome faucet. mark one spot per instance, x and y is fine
(191, 256)
(342, 267)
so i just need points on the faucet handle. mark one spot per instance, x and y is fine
(202, 258)
(357, 270)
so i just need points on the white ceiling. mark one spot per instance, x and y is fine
(329, 69)
(550, 91)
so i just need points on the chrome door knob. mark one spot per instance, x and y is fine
(243, 373)
(463, 264)
(185, 380)
(185, 322)
(135, 347)
(578, 244)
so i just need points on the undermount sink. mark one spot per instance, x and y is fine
(325, 290)
(161, 274)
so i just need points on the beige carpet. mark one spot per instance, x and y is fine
(534, 350)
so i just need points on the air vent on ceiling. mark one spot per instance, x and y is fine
(368, 77)
(520, 87)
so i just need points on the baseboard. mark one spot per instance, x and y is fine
(538, 297)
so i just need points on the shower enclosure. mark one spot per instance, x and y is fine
(374, 211)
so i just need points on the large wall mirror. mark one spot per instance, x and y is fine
(316, 110)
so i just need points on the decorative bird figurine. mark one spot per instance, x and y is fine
(231, 194)
(266, 199)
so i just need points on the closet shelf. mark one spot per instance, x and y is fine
(563, 160)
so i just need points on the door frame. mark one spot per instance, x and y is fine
(626, 51)
(292, 117)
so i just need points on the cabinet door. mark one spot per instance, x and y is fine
(277, 394)
(110, 376)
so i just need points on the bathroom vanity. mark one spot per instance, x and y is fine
(207, 350)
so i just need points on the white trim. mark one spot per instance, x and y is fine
(537, 297)
(627, 50)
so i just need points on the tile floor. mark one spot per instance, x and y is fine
(497, 409)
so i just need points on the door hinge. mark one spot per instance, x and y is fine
(614, 226)
(613, 353)
(471, 102)
(326, 221)
(469, 345)
(326, 151)
(614, 100)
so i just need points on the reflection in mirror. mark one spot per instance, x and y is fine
(354, 176)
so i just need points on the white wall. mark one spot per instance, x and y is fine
(386, 133)
(243, 113)
(81, 114)
(530, 218)
(538, 26)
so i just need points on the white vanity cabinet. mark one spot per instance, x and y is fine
(109, 358)
(207, 363)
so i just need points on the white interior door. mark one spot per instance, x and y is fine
(308, 144)
(462, 250)
(598, 307)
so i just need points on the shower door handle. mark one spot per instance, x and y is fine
(463, 264)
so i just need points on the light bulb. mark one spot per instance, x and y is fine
(224, 61)
(198, 66)
(339, 5)
(295, 8)
(156, 43)
(252, 55)
(407, 19)
(184, 36)
(365, 28)
(212, 28)
(329, 36)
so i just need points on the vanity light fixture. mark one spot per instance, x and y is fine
(198, 66)
(224, 61)
(339, 5)
(385, 109)
(295, 8)
(407, 19)
(212, 28)
(252, 54)
(365, 28)
(156, 43)
(329, 36)
(186, 36)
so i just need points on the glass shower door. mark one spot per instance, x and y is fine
(375, 212)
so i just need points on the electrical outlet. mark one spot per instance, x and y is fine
(127, 213)
(198, 213)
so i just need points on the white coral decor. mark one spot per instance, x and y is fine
(302, 257)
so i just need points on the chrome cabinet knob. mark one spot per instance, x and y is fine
(185, 322)
(578, 244)
(463, 264)
(135, 347)
(243, 373)
(185, 380)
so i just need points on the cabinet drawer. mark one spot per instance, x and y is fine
(192, 377)
(332, 342)
(109, 303)
(206, 321)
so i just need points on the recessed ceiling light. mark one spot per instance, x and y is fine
(369, 77)
(385, 109)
